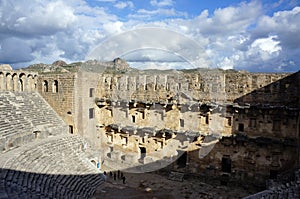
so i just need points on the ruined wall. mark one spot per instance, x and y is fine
(173, 100)
(278, 122)
(239, 84)
(200, 85)
(250, 161)
(238, 136)
(281, 92)
(260, 147)
(13, 80)
(228, 122)
(58, 91)
(185, 117)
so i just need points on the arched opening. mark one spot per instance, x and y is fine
(55, 86)
(45, 86)
(21, 85)
(21, 82)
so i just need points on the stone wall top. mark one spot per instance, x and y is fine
(5, 67)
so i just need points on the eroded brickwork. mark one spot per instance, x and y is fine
(218, 119)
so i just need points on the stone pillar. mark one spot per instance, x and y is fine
(8, 81)
(2, 85)
(15, 81)
(30, 83)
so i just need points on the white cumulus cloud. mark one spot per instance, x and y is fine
(124, 4)
(161, 3)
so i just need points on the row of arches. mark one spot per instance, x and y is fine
(54, 86)
(17, 81)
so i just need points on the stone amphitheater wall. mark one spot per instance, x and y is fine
(204, 86)
(257, 140)
(18, 81)
(258, 134)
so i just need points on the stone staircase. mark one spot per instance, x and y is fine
(24, 117)
(38, 158)
(56, 167)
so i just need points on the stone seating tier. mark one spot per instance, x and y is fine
(56, 167)
(22, 114)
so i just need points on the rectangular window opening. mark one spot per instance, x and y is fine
(71, 130)
(181, 121)
(124, 141)
(226, 164)
(241, 127)
(91, 113)
(229, 121)
(91, 92)
(206, 119)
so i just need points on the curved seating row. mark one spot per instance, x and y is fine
(56, 167)
(24, 116)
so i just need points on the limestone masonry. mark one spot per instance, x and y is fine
(234, 126)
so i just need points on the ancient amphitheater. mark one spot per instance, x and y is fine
(60, 122)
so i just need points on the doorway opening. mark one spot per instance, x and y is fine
(273, 174)
(71, 131)
(226, 164)
(182, 160)
(143, 152)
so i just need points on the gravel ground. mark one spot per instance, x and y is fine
(154, 186)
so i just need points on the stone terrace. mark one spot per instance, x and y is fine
(25, 116)
(56, 167)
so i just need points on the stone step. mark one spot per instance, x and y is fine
(46, 160)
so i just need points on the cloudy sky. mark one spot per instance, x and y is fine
(244, 35)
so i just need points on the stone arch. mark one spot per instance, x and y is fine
(15, 82)
(8, 82)
(22, 82)
(55, 86)
(2, 85)
(45, 86)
